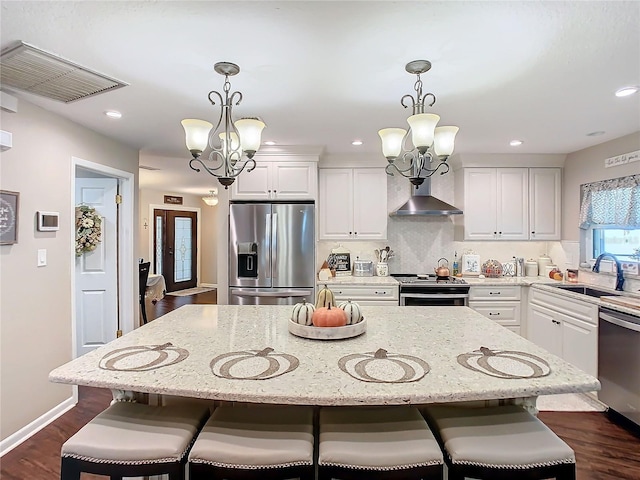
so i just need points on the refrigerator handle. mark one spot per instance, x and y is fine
(268, 246)
(274, 245)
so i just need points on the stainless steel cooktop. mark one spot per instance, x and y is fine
(427, 280)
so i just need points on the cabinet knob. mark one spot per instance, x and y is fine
(350, 233)
(533, 233)
(500, 233)
(355, 233)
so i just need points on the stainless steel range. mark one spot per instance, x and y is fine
(416, 290)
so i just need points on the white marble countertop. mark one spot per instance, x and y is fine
(436, 335)
(364, 281)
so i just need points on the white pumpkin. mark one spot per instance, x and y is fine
(353, 311)
(302, 313)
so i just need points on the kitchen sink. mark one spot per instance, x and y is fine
(592, 292)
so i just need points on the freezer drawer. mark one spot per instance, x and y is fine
(269, 296)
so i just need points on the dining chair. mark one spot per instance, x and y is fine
(499, 443)
(134, 439)
(143, 269)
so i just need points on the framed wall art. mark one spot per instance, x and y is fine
(470, 264)
(9, 217)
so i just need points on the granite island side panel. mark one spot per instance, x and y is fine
(436, 335)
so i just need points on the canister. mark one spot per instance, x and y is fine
(543, 261)
(531, 268)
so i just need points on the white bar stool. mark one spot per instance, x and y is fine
(380, 443)
(255, 443)
(499, 443)
(132, 440)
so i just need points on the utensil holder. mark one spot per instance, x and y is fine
(382, 269)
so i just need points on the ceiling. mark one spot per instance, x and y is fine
(325, 73)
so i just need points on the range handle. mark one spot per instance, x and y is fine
(433, 295)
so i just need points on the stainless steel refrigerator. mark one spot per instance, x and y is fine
(271, 253)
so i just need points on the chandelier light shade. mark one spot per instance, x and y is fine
(444, 140)
(392, 141)
(212, 198)
(229, 140)
(429, 144)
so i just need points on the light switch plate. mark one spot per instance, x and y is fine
(42, 257)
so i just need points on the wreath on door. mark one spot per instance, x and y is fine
(88, 229)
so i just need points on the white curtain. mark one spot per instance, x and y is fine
(613, 202)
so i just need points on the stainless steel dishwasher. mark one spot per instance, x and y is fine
(619, 362)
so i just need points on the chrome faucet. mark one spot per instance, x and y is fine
(619, 272)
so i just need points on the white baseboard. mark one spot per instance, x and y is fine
(209, 285)
(12, 441)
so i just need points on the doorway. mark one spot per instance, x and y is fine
(101, 310)
(175, 248)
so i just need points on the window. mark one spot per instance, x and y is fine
(610, 213)
(623, 243)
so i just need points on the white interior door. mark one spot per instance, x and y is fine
(96, 272)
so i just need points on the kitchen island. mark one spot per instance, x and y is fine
(408, 355)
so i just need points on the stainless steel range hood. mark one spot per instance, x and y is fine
(423, 203)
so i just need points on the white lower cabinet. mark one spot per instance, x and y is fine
(500, 304)
(366, 295)
(565, 327)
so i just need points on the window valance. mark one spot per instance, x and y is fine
(614, 202)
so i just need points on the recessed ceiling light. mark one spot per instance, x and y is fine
(626, 91)
(515, 143)
(595, 134)
(270, 142)
(113, 114)
(356, 142)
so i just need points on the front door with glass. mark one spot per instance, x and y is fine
(175, 249)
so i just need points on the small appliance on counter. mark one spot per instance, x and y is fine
(362, 268)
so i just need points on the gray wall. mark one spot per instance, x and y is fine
(586, 166)
(35, 303)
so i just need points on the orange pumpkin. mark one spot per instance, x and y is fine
(329, 317)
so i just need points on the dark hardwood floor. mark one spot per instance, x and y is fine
(604, 450)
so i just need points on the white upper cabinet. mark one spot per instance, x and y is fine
(545, 185)
(277, 180)
(512, 203)
(353, 204)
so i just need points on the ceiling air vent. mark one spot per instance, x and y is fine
(35, 71)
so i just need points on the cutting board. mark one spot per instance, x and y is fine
(624, 301)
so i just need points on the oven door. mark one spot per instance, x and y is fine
(411, 299)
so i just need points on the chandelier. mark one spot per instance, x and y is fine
(431, 145)
(229, 140)
(212, 198)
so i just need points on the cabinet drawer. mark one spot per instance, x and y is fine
(574, 308)
(358, 293)
(486, 292)
(504, 313)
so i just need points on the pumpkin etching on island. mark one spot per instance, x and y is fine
(505, 363)
(384, 367)
(142, 358)
(329, 317)
(303, 313)
(352, 310)
(253, 364)
(325, 298)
